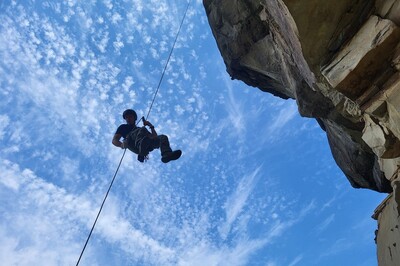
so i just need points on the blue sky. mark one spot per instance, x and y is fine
(256, 184)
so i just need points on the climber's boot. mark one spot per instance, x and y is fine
(171, 156)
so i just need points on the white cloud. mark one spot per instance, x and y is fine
(288, 112)
(179, 109)
(4, 122)
(38, 215)
(51, 212)
(296, 260)
(328, 204)
(101, 40)
(325, 223)
(279, 227)
(118, 44)
(205, 254)
(236, 112)
(69, 168)
(340, 245)
(8, 176)
(116, 18)
(108, 4)
(237, 200)
(16, 251)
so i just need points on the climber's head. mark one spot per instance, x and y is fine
(130, 116)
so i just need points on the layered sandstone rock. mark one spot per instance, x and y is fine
(388, 233)
(340, 60)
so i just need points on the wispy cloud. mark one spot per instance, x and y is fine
(285, 115)
(325, 223)
(204, 254)
(296, 260)
(236, 202)
(55, 209)
(281, 226)
(234, 107)
(45, 212)
(340, 245)
(4, 122)
(8, 177)
(236, 113)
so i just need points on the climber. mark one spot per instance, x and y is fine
(140, 141)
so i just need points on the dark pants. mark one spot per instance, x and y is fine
(140, 143)
(162, 143)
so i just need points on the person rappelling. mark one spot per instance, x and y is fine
(140, 141)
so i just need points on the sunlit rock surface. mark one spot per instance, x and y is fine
(340, 60)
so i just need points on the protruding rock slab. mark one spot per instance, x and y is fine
(364, 59)
(389, 9)
(260, 45)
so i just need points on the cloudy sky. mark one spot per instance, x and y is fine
(256, 184)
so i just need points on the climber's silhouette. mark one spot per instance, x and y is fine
(140, 141)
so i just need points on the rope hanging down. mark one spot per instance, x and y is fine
(123, 155)
(101, 207)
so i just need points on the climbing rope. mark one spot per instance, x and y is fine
(166, 63)
(101, 207)
(123, 155)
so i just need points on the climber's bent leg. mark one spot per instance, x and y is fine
(166, 152)
(163, 144)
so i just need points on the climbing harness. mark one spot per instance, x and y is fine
(123, 155)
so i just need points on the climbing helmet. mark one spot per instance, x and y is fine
(129, 112)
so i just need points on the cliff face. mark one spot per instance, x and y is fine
(339, 59)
